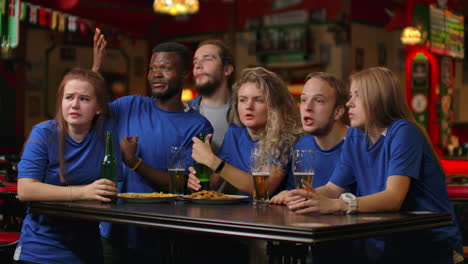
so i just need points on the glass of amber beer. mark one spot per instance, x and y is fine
(260, 167)
(176, 169)
(303, 167)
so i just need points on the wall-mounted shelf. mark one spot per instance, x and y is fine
(294, 72)
(287, 43)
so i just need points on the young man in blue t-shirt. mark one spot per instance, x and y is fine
(324, 119)
(149, 127)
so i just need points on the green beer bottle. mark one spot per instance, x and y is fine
(202, 171)
(109, 163)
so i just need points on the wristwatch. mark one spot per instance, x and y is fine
(351, 200)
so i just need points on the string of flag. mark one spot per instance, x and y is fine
(12, 12)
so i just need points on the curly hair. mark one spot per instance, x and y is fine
(283, 125)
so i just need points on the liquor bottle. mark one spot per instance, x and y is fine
(109, 163)
(202, 171)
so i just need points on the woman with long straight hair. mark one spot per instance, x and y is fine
(389, 157)
(61, 161)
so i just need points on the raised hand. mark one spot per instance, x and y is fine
(99, 51)
(128, 147)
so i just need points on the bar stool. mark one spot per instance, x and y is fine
(457, 190)
(283, 252)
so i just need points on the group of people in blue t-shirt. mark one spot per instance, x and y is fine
(383, 162)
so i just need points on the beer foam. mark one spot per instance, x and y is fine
(176, 170)
(261, 173)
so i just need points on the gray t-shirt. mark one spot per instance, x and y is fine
(217, 115)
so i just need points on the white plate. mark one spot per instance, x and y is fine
(234, 199)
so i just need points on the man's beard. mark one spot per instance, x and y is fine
(209, 87)
(324, 130)
(171, 91)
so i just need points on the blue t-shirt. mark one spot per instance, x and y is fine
(66, 240)
(402, 151)
(236, 148)
(158, 131)
(324, 161)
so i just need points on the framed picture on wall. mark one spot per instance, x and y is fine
(325, 54)
(359, 59)
(59, 62)
(381, 54)
(34, 106)
(68, 53)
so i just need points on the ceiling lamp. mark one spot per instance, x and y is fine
(411, 36)
(176, 7)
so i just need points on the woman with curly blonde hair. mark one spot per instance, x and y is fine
(265, 116)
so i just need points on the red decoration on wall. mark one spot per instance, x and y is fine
(43, 17)
(67, 4)
(82, 26)
(433, 127)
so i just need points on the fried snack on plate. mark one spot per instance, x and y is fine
(208, 195)
(145, 195)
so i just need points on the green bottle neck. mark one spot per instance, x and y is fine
(109, 149)
(201, 136)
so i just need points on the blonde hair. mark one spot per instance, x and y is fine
(283, 125)
(384, 101)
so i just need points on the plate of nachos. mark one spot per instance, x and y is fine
(156, 197)
(213, 197)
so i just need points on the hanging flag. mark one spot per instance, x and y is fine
(42, 17)
(72, 24)
(13, 22)
(23, 11)
(3, 18)
(61, 22)
(33, 14)
(53, 20)
(4, 7)
(82, 26)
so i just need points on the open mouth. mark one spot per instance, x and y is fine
(308, 121)
(249, 117)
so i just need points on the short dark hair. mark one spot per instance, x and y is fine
(224, 53)
(181, 50)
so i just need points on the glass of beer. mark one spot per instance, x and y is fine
(176, 168)
(303, 167)
(260, 167)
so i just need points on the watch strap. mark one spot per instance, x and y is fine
(351, 200)
(220, 166)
